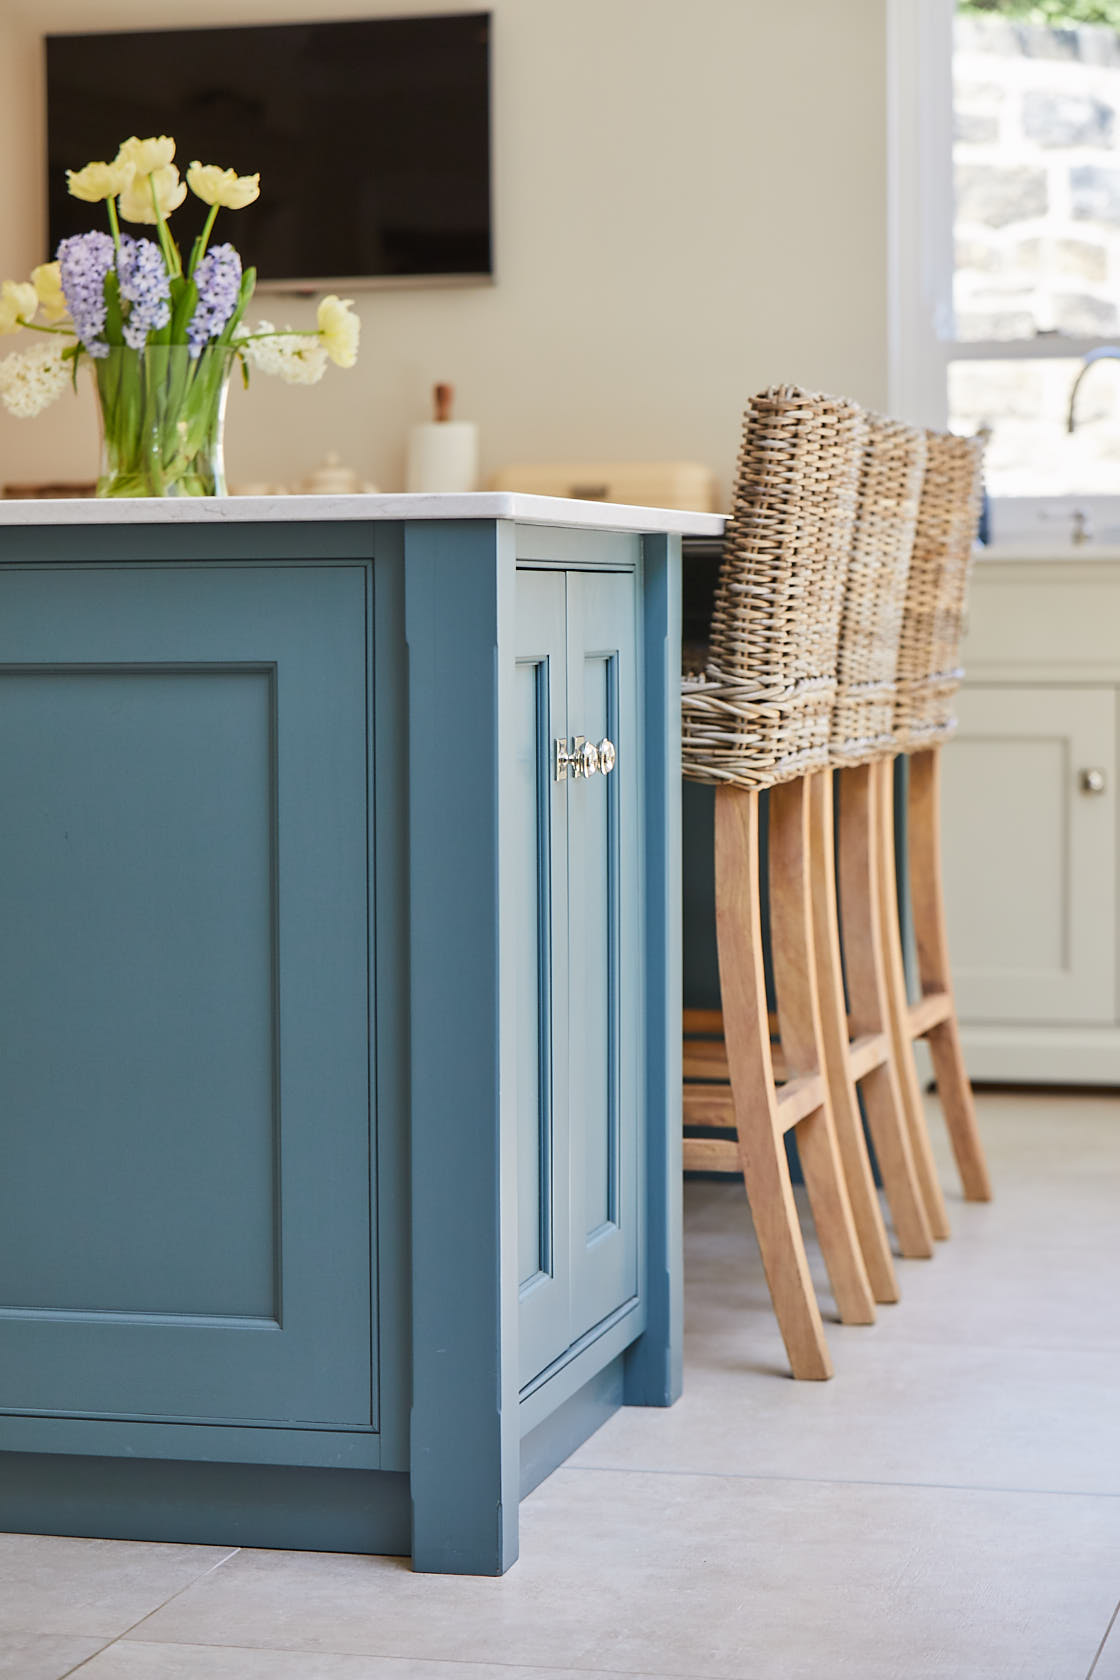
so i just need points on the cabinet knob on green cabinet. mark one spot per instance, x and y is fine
(581, 759)
(1093, 781)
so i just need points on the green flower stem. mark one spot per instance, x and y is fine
(161, 420)
(37, 326)
(200, 244)
(166, 243)
(114, 224)
(282, 332)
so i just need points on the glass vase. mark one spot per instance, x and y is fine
(162, 411)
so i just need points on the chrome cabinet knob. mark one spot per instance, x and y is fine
(1092, 781)
(582, 758)
(579, 760)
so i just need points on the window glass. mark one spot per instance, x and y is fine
(1036, 154)
(1025, 403)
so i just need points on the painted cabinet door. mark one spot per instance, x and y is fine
(1029, 855)
(604, 955)
(185, 1050)
(576, 884)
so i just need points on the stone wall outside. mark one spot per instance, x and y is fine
(1037, 174)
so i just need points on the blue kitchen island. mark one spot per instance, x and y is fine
(340, 882)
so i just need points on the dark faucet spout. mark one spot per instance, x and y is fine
(1104, 353)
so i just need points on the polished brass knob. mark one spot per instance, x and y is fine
(1093, 781)
(607, 756)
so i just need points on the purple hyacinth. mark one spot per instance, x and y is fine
(84, 260)
(218, 278)
(145, 286)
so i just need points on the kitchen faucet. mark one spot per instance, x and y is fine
(1106, 352)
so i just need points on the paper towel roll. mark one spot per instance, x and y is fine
(443, 455)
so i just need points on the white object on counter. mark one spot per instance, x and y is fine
(331, 478)
(443, 453)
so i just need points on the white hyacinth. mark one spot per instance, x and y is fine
(31, 379)
(299, 358)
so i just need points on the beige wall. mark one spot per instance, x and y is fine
(690, 203)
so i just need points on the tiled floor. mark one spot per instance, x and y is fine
(947, 1509)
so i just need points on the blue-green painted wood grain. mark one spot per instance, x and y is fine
(206, 1504)
(654, 1363)
(138, 792)
(172, 741)
(605, 950)
(459, 613)
(357, 1448)
(565, 1428)
(388, 681)
(303, 542)
(535, 901)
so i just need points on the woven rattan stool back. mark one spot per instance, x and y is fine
(760, 711)
(890, 485)
(929, 671)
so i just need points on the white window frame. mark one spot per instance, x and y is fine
(921, 341)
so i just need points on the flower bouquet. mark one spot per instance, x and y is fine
(161, 336)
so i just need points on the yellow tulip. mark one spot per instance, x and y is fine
(222, 186)
(135, 202)
(18, 303)
(99, 180)
(338, 330)
(146, 156)
(46, 279)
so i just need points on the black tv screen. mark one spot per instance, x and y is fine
(372, 138)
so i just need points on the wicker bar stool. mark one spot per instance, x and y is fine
(757, 717)
(929, 675)
(859, 1046)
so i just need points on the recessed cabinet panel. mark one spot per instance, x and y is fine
(142, 899)
(1030, 870)
(603, 941)
(187, 884)
(595, 931)
(535, 895)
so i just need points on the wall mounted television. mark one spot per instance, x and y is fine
(371, 135)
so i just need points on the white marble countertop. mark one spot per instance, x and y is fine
(481, 504)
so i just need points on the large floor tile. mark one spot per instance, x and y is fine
(965, 1417)
(1108, 1662)
(1038, 1268)
(133, 1660)
(43, 1656)
(712, 1577)
(51, 1585)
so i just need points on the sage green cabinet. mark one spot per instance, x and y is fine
(578, 885)
(184, 844)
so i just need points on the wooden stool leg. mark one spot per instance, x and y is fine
(860, 865)
(747, 1037)
(862, 1193)
(793, 962)
(898, 1007)
(923, 815)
